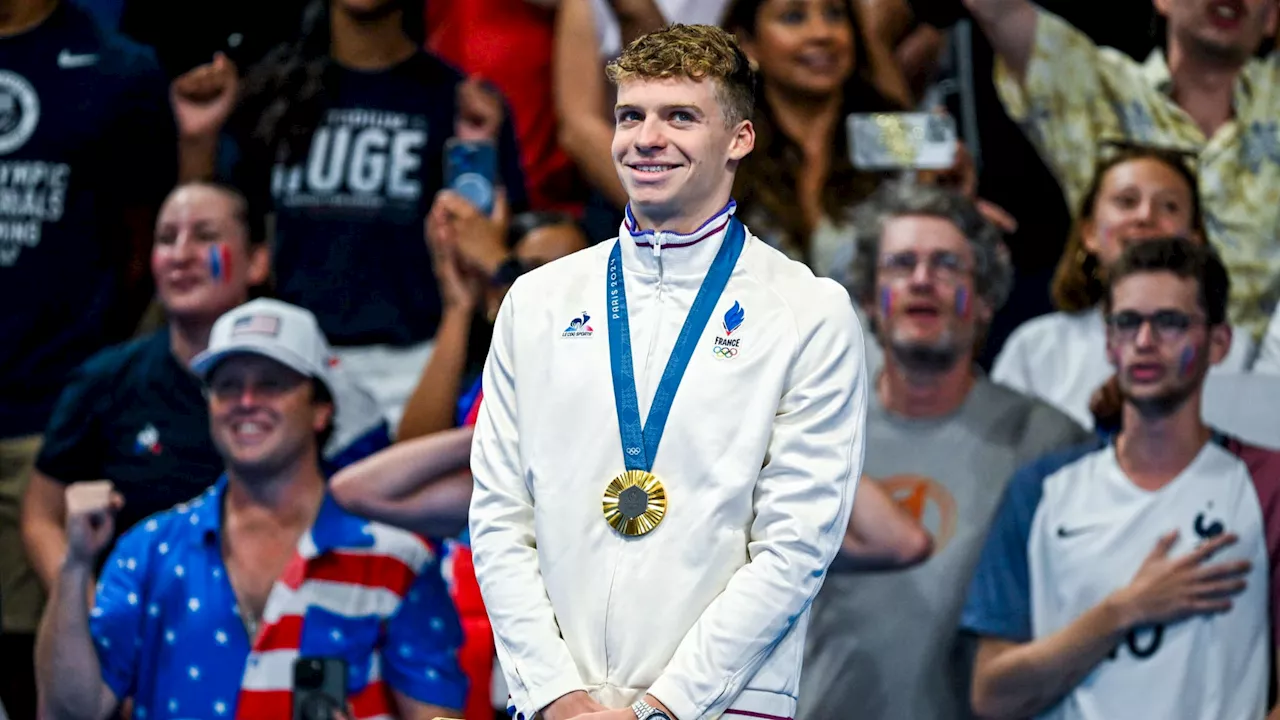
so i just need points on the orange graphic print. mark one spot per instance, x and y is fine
(928, 502)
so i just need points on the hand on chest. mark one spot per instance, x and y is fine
(1095, 547)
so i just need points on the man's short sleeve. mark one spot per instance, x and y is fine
(116, 620)
(999, 602)
(420, 658)
(73, 445)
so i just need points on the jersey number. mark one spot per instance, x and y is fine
(1139, 646)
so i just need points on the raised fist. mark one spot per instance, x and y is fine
(204, 97)
(91, 511)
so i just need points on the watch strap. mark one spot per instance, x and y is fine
(645, 711)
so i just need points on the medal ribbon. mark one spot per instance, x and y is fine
(640, 443)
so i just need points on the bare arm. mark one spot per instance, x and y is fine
(881, 535)
(410, 709)
(885, 23)
(636, 18)
(202, 100)
(431, 407)
(1010, 26)
(1017, 680)
(586, 132)
(68, 671)
(70, 678)
(421, 485)
(1013, 680)
(44, 513)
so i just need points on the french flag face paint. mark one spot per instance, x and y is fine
(1187, 362)
(886, 301)
(962, 302)
(220, 263)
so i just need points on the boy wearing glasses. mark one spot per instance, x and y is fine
(941, 439)
(1136, 578)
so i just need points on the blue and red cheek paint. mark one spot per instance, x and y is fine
(220, 263)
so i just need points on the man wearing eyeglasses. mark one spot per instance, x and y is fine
(1138, 578)
(941, 439)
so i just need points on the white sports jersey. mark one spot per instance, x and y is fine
(1061, 358)
(1072, 529)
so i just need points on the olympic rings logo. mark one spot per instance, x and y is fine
(724, 353)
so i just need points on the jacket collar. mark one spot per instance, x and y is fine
(653, 252)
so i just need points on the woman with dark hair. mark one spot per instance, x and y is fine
(1138, 194)
(798, 186)
(343, 130)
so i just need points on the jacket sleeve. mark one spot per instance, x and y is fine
(535, 659)
(803, 499)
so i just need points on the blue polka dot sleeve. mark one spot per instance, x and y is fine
(420, 658)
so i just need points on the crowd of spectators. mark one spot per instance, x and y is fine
(221, 222)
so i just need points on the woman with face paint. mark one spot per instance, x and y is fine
(1137, 195)
(134, 414)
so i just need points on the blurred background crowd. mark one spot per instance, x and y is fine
(163, 162)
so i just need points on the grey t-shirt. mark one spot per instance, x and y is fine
(884, 646)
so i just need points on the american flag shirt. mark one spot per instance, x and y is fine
(168, 632)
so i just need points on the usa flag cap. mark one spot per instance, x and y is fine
(286, 333)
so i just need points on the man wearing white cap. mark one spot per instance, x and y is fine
(203, 610)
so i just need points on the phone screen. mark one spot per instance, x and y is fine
(319, 688)
(470, 169)
(901, 141)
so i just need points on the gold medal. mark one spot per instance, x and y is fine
(634, 503)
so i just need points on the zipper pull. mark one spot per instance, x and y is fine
(657, 243)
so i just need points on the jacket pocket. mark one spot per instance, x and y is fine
(353, 639)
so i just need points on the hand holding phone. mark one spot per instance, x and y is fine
(471, 169)
(319, 688)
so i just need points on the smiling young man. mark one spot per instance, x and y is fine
(1138, 578)
(203, 610)
(684, 520)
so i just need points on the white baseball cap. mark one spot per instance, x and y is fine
(285, 333)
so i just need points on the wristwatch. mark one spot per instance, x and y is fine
(645, 711)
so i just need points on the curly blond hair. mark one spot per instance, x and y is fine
(695, 52)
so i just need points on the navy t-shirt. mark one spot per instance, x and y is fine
(133, 415)
(349, 240)
(86, 131)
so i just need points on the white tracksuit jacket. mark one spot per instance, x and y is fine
(760, 461)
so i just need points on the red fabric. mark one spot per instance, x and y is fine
(477, 651)
(364, 569)
(1264, 467)
(474, 412)
(509, 43)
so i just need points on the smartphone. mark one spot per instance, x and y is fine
(471, 170)
(319, 687)
(901, 141)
